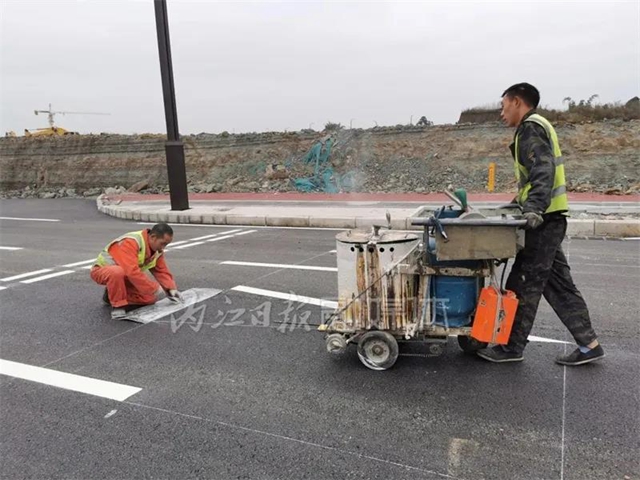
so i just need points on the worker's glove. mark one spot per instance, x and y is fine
(534, 220)
(175, 295)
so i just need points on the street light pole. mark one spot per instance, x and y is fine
(174, 147)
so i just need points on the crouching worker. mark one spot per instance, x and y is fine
(121, 267)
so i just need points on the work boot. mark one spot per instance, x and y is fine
(105, 297)
(576, 357)
(499, 354)
(118, 313)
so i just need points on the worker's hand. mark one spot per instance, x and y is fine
(534, 220)
(175, 295)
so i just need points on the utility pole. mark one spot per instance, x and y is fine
(174, 147)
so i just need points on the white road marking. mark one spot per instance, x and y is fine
(24, 275)
(230, 236)
(68, 381)
(110, 414)
(11, 248)
(279, 265)
(287, 296)
(71, 265)
(187, 245)
(533, 338)
(214, 235)
(564, 416)
(31, 219)
(47, 277)
(3, 288)
(88, 267)
(333, 251)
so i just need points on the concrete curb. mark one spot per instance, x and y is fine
(577, 228)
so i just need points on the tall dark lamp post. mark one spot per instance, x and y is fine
(174, 147)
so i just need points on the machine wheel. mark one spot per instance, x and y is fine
(470, 345)
(378, 350)
(336, 344)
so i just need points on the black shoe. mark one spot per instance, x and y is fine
(105, 297)
(578, 358)
(498, 354)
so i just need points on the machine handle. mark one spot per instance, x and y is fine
(472, 222)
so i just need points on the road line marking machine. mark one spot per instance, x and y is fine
(399, 286)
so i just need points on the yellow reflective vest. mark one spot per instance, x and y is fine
(105, 259)
(559, 199)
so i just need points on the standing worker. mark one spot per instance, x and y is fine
(541, 268)
(121, 266)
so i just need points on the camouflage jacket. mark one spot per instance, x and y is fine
(536, 154)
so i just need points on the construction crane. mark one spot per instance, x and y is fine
(53, 130)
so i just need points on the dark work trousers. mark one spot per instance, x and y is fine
(541, 268)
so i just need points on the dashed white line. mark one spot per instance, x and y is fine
(47, 277)
(279, 265)
(25, 275)
(3, 288)
(68, 381)
(286, 296)
(31, 219)
(11, 248)
(229, 236)
(213, 235)
(71, 265)
(187, 245)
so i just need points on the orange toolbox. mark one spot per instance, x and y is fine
(494, 316)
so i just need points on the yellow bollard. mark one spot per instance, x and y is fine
(492, 177)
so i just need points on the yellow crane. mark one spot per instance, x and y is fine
(52, 130)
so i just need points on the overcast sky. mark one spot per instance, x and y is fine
(287, 66)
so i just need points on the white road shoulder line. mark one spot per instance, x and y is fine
(31, 219)
(287, 296)
(68, 381)
(278, 265)
(47, 277)
(11, 248)
(76, 264)
(24, 275)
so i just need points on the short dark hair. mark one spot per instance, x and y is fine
(526, 92)
(161, 229)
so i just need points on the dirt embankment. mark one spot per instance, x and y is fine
(603, 156)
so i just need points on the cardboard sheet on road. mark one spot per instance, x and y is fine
(165, 307)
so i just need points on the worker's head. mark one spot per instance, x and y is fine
(517, 100)
(160, 236)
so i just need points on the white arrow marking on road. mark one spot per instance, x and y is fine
(68, 381)
(279, 265)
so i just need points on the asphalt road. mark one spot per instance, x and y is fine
(235, 394)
